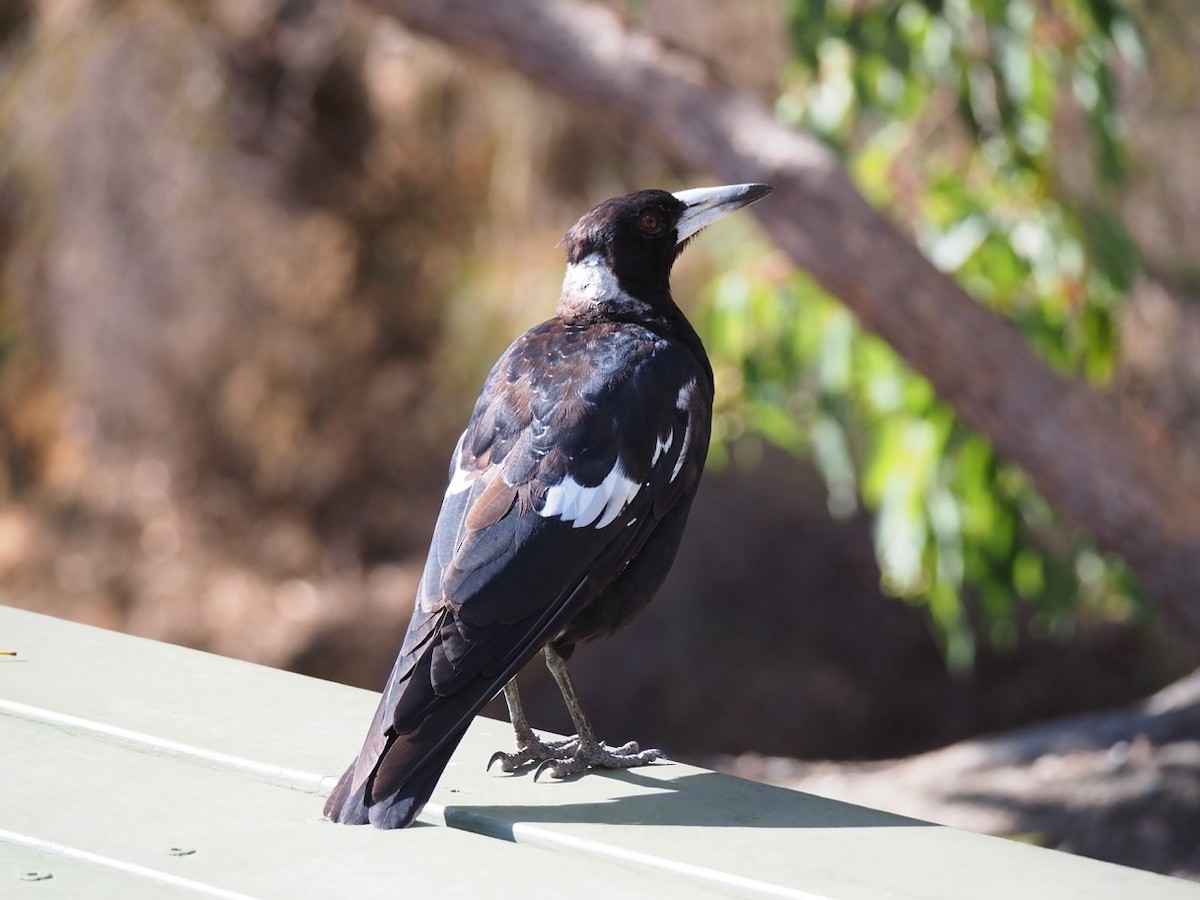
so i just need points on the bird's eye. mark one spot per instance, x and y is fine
(650, 222)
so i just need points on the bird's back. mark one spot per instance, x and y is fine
(568, 493)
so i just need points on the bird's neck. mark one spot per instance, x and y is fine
(592, 291)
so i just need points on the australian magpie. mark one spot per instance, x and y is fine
(567, 499)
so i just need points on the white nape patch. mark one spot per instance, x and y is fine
(592, 280)
(461, 479)
(581, 506)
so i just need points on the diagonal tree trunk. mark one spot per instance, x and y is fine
(1097, 472)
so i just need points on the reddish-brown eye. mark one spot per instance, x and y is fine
(650, 222)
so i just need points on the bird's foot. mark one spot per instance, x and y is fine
(598, 756)
(535, 750)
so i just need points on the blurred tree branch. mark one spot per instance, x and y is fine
(1097, 471)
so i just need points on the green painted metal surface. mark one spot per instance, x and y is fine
(130, 768)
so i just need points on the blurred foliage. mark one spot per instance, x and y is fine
(945, 112)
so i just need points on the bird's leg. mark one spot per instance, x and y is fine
(516, 714)
(530, 747)
(589, 752)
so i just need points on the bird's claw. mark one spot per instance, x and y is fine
(498, 757)
(602, 756)
(556, 767)
(534, 751)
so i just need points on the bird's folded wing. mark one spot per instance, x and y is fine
(554, 485)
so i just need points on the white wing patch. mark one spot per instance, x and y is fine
(580, 505)
(600, 505)
(571, 501)
(461, 479)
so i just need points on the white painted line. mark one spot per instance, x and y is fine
(279, 775)
(74, 853)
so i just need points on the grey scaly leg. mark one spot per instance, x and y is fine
(588, 752)
(530, 747)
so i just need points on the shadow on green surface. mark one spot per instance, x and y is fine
(707, 799)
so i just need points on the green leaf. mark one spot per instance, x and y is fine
(944, 112)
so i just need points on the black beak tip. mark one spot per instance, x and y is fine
(757, 191)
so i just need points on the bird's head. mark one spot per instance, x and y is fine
(622, 251)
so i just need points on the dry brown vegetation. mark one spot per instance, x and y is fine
(254, 260)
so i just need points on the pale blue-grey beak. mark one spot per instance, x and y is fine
(706, 205)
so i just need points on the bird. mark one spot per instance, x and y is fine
(567, 498)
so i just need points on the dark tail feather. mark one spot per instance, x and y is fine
(342, 806)
(399, 808)
(394, 775)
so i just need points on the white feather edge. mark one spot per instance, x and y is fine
(599, 504)
(682, 401)
(581, 505)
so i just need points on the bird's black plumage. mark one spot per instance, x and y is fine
(568, 493)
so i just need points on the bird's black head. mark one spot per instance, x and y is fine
(633, 237)
(621, 252)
